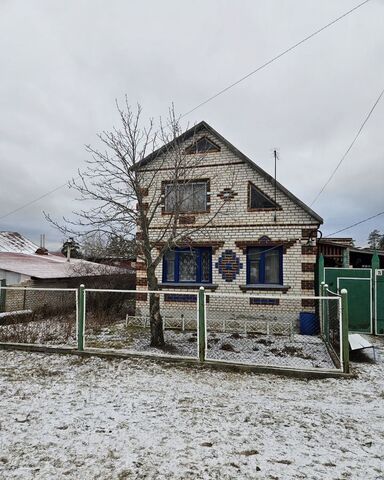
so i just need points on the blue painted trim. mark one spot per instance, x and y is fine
(199, 266)
(261, 279)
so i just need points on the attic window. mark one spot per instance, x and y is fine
(203, 145)
(257, 200)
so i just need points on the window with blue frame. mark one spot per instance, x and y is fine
(188, 265)
(265, 265)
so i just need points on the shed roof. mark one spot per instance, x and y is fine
(204, 126)
(16, 243)
(44, 267)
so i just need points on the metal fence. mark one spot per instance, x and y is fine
(331, 323)
(45, 316)
(120, 319)
(265, 330)
(282, 331)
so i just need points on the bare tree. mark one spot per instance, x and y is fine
(128, 195)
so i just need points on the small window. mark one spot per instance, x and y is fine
(203, 145)
(258, 200)
(264, 266)
(188, 197)
(192, 265)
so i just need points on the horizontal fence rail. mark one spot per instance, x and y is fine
(280, 331)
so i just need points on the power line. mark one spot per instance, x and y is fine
(349, 148)
(261, 67)
(355, 224)
(33, 201)
(273, 59)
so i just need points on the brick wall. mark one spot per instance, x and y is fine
(235, 223)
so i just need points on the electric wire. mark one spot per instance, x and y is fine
(253, 72)
(355, 224)
(349, 148)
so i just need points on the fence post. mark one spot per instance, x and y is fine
(202, 329)
(321, 307)
(326, 314)
(375, 265)
(3, 283)
(81, 318)
(344, 331)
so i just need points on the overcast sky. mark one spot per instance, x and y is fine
(63, 64)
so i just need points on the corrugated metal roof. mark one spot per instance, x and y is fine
(16, 243)
(52, 266)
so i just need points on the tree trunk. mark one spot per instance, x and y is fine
(156, 320)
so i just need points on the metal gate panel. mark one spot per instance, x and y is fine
(379, 302)
(358, 282)
(359, 303)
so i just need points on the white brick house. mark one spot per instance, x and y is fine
(257, 236)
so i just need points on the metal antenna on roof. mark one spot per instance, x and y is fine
(275, 157)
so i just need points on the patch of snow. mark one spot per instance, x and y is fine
(67, 417)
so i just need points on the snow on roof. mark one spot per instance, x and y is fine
(52, 266)
(14, 242)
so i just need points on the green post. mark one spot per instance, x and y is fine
(202, 332)
(344, 331)
(3, 283)
(375, 265)
(320, 270)
(81, 318)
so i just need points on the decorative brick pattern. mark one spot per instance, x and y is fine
(262, 242)
(140, 266)
(264, 301)
(187, 219)
(306, 232)
(308, 250)
(142, 281)
(308, 302)
(229, 265)
(307, 267)
(227, 194)
(307, 285)
(174, 297)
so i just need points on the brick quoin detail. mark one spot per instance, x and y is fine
(144, 191)
(308, 250)
(141, 281)
(306, 232)
(307, 285)
(307, 267)
(140, 266)
(307, 302)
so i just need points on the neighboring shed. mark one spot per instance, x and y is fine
(41, 270)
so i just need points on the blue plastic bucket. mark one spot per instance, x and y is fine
(309, 323)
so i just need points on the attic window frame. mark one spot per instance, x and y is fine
(166, 183)
(192, 149)
(275, 206)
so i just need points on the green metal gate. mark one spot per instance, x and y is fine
(358, 282)
(379, 301)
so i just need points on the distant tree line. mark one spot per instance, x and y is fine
(376, 240)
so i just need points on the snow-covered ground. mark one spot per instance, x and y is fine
(67, 417)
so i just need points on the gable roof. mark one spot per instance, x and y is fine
(203, 126)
